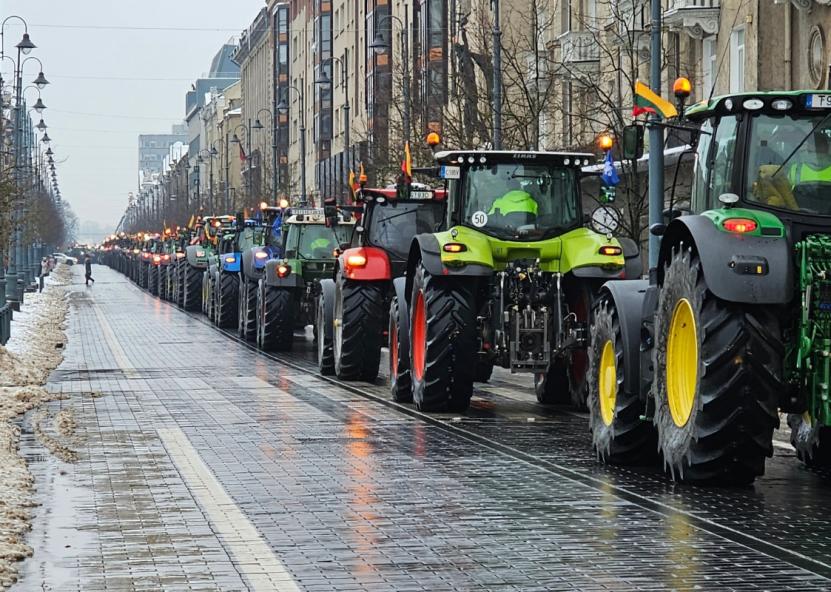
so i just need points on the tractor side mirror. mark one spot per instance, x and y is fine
(632, 144)
(330, 213)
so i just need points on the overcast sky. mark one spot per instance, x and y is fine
(116, 70)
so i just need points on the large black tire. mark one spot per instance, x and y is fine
(153, 280)
(358, 328)
(275, 323)
(553, 386)
(401, 385)
(811, 440)
(484, 371)
(207, 294)
(191, 282)
(620, 434)
(443, 343)
(247, 315)
(179, 283)
(227, 294)
(324, 328)
(726, 389)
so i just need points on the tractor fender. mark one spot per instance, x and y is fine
(425, 248)
(628, 297)
(230, 266)
(292, 280)
(252, 266)
(632, 256)
(377, 264)
(729, 261)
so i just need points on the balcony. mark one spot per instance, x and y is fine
(628, 27)
(579, 50)
(696, 18)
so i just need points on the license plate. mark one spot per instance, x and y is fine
(819, 102)
(421, 195)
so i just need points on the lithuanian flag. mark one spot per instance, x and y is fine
(647, 101)
(407, 164)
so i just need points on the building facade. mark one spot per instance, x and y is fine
(154, 147)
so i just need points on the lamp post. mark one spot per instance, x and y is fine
(379, 45)
(14, 285)
(497, 79)
(324, 79)
(283, 107)
(235, 140)
(258, 126)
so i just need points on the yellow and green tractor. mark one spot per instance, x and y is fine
(511, 281)
(735, 324)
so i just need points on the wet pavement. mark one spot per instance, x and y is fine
(205, 465)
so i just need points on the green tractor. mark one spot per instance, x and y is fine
(288, 289)
(511, 282)
(735, 323)
(222, 235)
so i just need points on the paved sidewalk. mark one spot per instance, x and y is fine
(205, 466)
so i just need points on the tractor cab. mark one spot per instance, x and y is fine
(311, 241)
(514, 196)
(241, 236)
(765, 151)
(391, 219)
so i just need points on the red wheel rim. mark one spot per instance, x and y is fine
(419, 332)
(393, 350)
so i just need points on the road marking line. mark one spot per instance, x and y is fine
(115, 347)
(255, 559)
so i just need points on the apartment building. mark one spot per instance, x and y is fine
(254, 54)
(220, 166)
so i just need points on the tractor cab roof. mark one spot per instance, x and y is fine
(314, 216)
(462, 158)
(771, 102)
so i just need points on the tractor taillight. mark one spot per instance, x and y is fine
(283, 270)
(610, 250)
(739, 225)
(356, 260)
(156, 258)
(454, 248)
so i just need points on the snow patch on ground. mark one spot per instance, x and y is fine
(35, 349)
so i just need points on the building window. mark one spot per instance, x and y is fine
(708, 65)
(737, 61)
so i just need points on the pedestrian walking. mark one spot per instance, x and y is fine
(88, 269)
(44, 271)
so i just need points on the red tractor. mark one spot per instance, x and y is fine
(353, 308)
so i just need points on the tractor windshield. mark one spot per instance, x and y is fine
(315, 241)
(789, 162)
(250, 237)
(520, 201)
(393, 224)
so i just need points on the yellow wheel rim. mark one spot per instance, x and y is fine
(682, 362)
(607, 382)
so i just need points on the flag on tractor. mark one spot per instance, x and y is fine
(353, 187)
(241, 153)
(362, 175)
(407, 164)
(609, 176)
(647, 101)
(191, 221)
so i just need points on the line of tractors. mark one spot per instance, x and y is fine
(492, 262)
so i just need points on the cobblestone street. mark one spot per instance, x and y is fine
(206, 465)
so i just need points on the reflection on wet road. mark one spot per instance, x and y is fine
(342, 489)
